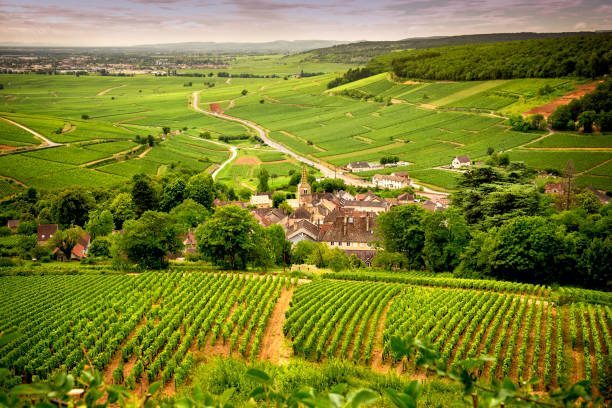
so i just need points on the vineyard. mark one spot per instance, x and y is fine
(156, 326)
(137, 328)
(527, 333)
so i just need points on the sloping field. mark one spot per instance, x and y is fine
(155, 326)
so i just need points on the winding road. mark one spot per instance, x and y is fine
(326, 171)
(233, 150)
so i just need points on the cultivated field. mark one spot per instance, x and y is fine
(154, 326)
(424, 123)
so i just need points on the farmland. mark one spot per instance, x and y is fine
(423, 123)
(157, 326)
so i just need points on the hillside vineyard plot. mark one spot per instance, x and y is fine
(529, 336)
(143, 328)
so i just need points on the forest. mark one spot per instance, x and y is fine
(586, 56)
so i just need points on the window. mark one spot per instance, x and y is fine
(331, 243)
(348, 244)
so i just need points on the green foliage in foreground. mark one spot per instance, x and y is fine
(265, 390)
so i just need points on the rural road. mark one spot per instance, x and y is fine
(233, 150)
(326, 171)
(48, 142)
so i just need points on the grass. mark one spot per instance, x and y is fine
(11, 135)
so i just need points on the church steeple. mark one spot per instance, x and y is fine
(304, 188)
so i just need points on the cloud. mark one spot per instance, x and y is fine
(115, 22)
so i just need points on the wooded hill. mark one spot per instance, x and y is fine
(586, 56)
(361, 52)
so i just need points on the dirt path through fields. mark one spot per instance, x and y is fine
(273, 344)
(547, 109)
(104, 92)
(378, 364)
(46, 141)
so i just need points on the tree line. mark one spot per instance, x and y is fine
(587, 56)
(500, 225)
(593, 109)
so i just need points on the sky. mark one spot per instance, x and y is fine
(133, 22)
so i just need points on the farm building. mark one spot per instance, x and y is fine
(352, 232)
(363, 166)
(45, 232)
(460, 161)
(261, 201)
(392, 182)
(12, 225)
(554, 188)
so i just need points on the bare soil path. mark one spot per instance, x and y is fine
(378, 364)
(547, 109)
(273, 345)
(47, 142)
(104, 92)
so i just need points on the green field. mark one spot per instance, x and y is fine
(423, 123)
(157, 326)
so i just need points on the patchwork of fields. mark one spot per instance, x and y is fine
(95, 151)
(154, 326)
(424, 123)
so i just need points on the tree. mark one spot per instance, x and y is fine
(588, 201)
(150, 140)
(490, 151)
(278, 198)
(72, 207)
(149, 240)
(586, 120)
(244, 92)
(166, 130)
(66, 240)
(144, 195)
(302, 251)
(263, 176)
(537, 122)
(561, 118)
(446, 236)
(123, 209)
(200, 188)
(337, 260)
(278, 247)
(478, 176)
(389, 260)
(401, 231)
(100, 223)
(524, 249)
(230, 237)
(100, 247)
(173, 193)
(189, 214)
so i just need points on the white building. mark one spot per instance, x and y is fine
(261, 201)
(460, 161)
(391, 182)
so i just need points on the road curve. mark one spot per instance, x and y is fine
(233, 150)
(326, 171)
(48, 142)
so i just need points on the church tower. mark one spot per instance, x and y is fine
(304, 190)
